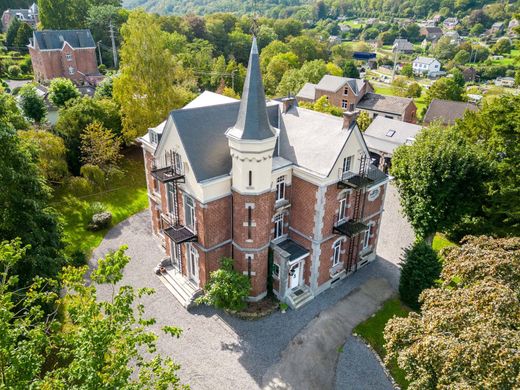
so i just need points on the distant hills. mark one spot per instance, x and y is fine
(181, 7)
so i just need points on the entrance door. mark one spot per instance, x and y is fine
(175, 251)
(193, 264)
(294, 276)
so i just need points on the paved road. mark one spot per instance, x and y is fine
(217, 351)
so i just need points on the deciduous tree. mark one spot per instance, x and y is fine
(446, 89)
(151, 83)
(32, 104)
(440, 178)
(100, 147)
(466, 335)
(61, 91)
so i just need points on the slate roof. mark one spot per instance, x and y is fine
(383, 103)
(385, 134)
(294, 250)
(252, 122)
(308, 91)
(402, 45)
(334, 83)
(424, 60)
(447, 111)
(54, 39)
(433, 30)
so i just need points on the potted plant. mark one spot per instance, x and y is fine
(283, 307)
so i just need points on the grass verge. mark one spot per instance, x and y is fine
(372, 329)
(440, 241)
(122, 197)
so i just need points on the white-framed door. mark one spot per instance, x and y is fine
(175, 251)
(193, 264)
(295, 272)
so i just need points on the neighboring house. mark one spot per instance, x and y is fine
(450, 23)
(431, 33)
(391, 107)
(512, 26)
(334, 40)
(446, 111)
(454, 37)
(340, 91)
(352, 94)
(280, 189)
(29, 16)
(505, 82)
(384, 135)
(469, 73)
(402, 46)
(426, 66)
(64, 53)
(497, 28)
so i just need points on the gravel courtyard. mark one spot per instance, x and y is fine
(217, 351)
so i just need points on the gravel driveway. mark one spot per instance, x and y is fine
(217, 351)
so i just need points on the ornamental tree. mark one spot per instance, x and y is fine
(100, 147)
(61, 91)
(440, 179)
(32, 104)
(466, 335)
(227, 288)
(420, 268)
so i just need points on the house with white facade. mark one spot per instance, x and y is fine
(426, 66)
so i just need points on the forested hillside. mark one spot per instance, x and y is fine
(305, 10)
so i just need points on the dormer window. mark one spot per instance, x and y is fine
(347, 163)
(409, 141)
(154, 137)
(390, 133)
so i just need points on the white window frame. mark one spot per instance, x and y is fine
(280, 188)
(347, 167)
(336, 252)
(178, 162)
(366, 237)
(342, 213)
(344, 104)
(189, 212)
(71, 70)
(68, 56)
(278, 225)
(170, 196)
(276, 271)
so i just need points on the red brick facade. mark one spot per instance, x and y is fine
(345, 98)
(70, 63)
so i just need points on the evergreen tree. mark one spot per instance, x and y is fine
(32, 104)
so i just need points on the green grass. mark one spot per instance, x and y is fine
(420, 102)
(124, 197)
(372, 332)
(440, 241)
(383, 90)
(509, 59)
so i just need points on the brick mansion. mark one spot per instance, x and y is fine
(289, 193)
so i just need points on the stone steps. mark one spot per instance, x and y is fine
(297, 301)
(180, 287)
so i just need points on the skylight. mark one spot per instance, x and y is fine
(390, 133)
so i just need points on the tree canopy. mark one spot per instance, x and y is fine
(62, 90)
(466, 335)
(440, 178)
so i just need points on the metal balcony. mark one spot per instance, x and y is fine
(349, 228)
(179, 234)
(167, 174)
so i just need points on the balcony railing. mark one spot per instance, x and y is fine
(167, 174)
(353, 180)
(176, 232)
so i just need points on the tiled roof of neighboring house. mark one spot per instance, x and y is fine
(383, 103)
(424, 60)
(331, 83)
(451, 21)
(54, 39)
(26, 13)
(386, 134)
(308, 91)
(433, 30)
(497, 25)
(402, 45)
(447, 111)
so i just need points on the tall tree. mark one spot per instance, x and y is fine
(100, 147)
(440, 178)
(62, 14)
(446, 89)
(12, 30)
(25, 210)
(150, 83)
(466, 335)
(22, 36)
(62, 90)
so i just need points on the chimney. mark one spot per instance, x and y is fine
(287, 103)
(349, 118)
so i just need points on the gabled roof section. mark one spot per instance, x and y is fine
(308, 91)
(332, 83)
(425, 60)
(447, 111)
(54, 39)
(252, 121)
(384, 103)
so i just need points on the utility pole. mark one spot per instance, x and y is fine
(99, 52)
(114, 50)
(233, 79)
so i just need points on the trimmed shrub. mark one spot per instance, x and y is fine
(100, 221)
(227, 288)
(14, 70)
(420, 268)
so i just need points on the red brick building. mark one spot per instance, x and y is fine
(25, 15)
(356, 94)
(64, 53)
(287, 192)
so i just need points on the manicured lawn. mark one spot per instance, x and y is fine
(508, 59)
(440, 241)
(372, 332)
(420, 102)
(383, 89)
(123, 198)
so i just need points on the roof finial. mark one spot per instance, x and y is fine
(254, 21)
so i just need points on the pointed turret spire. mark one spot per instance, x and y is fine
(252, 121)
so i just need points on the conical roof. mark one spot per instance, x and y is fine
(252, 121)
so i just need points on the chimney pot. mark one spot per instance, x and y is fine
(349, 118)
(288, 102)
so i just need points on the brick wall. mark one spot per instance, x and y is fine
(303, 203)
(410, 113)
(336, 98)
